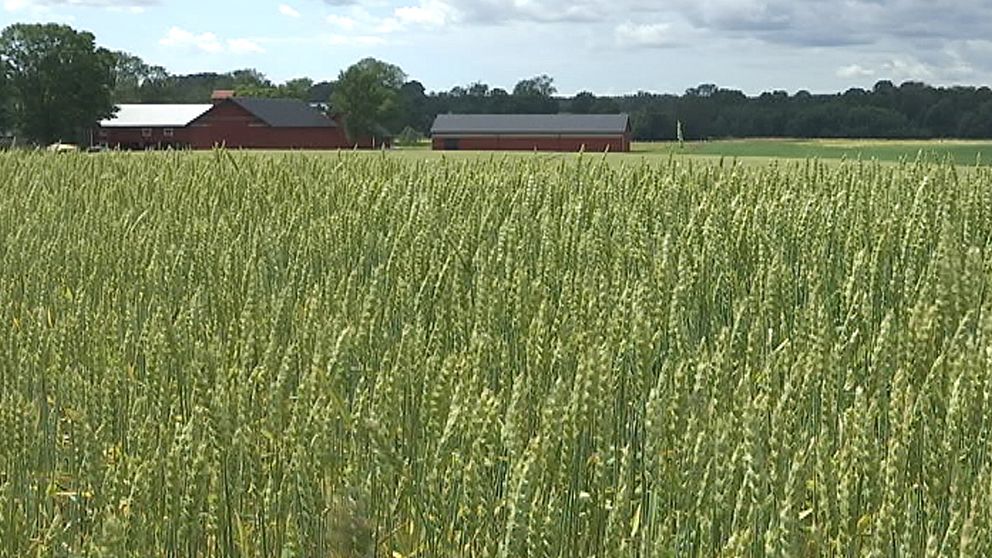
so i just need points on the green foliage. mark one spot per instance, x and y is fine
(231, 354)
(535, 95)
(298, 88)
(409, 136)
(131, 74)
(539, 86)
(292, 89)
(367, 94)
(6, 98)
(60, 81)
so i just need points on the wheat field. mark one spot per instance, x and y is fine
(298, 356)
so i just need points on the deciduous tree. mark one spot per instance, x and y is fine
(61, 82)
(131, 74)
(536, 95)
(368, 94)
(6, 98)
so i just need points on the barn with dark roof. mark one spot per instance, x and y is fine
(531, 132)
(230, 121)
(266, 124)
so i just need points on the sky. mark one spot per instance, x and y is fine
(603, 46)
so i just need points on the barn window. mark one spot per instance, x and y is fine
(146, 132)
(168, 132)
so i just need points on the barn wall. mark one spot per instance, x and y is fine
(538, 143)
(131, 138)
(230, 125)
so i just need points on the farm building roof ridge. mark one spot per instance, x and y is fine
(285, 113)
(530, 124)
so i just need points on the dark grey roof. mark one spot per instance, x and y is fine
(530, 124)
(285, 113)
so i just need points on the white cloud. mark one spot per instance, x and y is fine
(430, 13)
(906, 68)
(243, 46)
(545, 11)
(645, 35)
(181, 38)
(427, 13)
(388, 25)
(288, 11)
(344, 22)
(359, 13)
(127, 9)
(854, 71)
(132, 6)
(896, 69)
(207, 42)
(48, 9)
(357, 40)
(31, 11)
(968, 57)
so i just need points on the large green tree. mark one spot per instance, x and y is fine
(298, 88)
(6, 98)
(61, 82)
(536, 95)
(368, 95)
(131, 75)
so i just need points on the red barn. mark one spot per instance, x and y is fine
(231, 121)
(267, 124)
(148, 126)
(531, 132)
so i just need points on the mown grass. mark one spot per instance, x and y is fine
(759, 152)
(963, 153)
(236, 354)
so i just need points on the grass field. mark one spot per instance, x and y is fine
(962, 153)
(763, 151)
(297, 355)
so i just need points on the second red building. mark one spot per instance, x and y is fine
(235, 122)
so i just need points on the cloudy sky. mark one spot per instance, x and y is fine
(606, 46)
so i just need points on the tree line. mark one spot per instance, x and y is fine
(55, 83)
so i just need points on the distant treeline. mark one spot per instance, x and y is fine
(56, 82)
(909, 110)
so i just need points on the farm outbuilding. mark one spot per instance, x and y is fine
(267, 124)
(145, 126)
(531, 132)
(238, 122)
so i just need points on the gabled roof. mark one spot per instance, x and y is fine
(285, 113)
(530, 124)
(154, 116)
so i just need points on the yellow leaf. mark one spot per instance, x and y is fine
(637, 522)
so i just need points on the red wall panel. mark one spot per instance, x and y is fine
(232, 126)
(534, 143)
(229, 125)
(132, 138)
